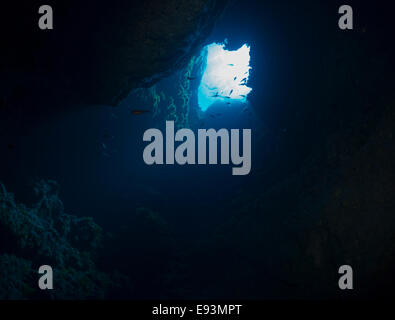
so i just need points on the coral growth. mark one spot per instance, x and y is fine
(171, 100)
(172, 111)
(44, 234)
(184, 93)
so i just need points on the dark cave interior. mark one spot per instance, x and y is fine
(320, 192)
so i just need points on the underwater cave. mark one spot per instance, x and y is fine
(76, 194)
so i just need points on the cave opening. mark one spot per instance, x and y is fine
(225, 74)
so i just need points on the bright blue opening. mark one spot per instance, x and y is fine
(225, 76)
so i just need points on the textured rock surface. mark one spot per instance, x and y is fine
(98, 52)
(44, 233)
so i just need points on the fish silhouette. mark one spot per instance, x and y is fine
(137, 112)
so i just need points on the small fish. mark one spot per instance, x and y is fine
(215, 95)
(228, 103)
(234, 79)
(191, 78)
(138, 112)
(231, 65)
(230, 92)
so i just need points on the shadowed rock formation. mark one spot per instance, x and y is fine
(99, 51)
(43, 233)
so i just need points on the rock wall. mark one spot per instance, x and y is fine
(98, 52)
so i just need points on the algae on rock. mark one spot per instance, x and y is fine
(43, 234)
